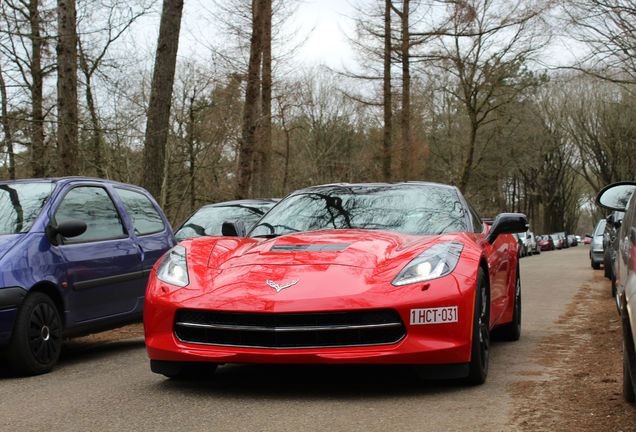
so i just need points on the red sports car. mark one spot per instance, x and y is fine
(347, 273)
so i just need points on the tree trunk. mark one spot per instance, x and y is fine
(406, 94)
(264, 184)
(38, 151)
(158, 121)
(251, 108)
(67, 138)
(468, 161)
(387, 99)
(6, 126)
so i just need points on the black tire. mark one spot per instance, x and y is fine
(628, 385)
(480, 351)
(183, 370)
(596, 265)
(36, 341)
(512, 330)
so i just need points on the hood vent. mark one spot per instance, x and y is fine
(309, 248)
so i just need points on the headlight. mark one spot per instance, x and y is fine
(173, 268)
(437, 261)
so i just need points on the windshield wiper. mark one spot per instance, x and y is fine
(269, 236)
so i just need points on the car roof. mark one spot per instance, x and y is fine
(374, 186)
(243, 203)
(69, 179)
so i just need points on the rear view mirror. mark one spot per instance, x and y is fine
(233, 228)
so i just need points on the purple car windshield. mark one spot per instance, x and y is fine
(20, 205)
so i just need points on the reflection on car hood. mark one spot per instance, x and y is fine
(8, 241)
(353, 248)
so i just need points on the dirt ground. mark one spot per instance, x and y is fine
(580, 388)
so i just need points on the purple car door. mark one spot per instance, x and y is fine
(102, 266)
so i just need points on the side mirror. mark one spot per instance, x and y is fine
(234, 228)
(507, 223)
(616, 195)
(67, 228)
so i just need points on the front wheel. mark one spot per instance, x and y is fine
(480, 350)
(36, 341)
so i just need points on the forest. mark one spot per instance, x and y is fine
(462, 92)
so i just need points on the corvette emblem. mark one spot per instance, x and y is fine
(279, 288)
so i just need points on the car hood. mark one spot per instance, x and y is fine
(351, 248)
(9, 241)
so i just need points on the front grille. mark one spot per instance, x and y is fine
(289, 330)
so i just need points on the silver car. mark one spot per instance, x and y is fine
(621, 197)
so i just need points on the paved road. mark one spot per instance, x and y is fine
(109, 387)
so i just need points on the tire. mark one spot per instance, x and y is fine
(36, 341)
(183, 370)
(480, 350)
(596, 265)
(628, 385)
(512, 330)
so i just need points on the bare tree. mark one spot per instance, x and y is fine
(608, 29)
(26, 45)
(100, 27)
(160, 98)
(484, 45)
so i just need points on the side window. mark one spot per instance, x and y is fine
(478, 225)
(94, 206)
(144, 216)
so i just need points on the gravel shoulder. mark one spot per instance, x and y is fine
(579, 387)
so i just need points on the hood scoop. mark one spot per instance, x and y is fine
(309, 248)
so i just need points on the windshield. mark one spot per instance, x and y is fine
(20, 205)
(208, 221)
(408, 209)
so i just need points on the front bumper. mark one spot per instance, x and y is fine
(423, 344)
(11, 299)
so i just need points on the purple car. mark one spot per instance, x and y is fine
(75, 254)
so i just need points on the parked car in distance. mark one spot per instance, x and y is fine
(564, 239)
(596, 246)
(621, 197)
(208, 220)
(545, 242)
(521, 246)
(75, 254)
(572, 241)
(531, 243)
(557, 240)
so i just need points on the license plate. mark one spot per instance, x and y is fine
(439, 315)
